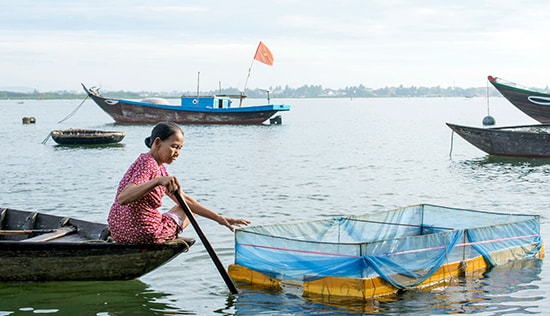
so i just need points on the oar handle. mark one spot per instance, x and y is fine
(206, 244)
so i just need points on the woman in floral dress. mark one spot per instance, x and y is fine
(134, 216)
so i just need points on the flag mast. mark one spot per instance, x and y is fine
(245, 83)
(263, 55)
(198, 86)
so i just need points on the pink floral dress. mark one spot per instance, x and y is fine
(140, 222)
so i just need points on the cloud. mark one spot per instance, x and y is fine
(143, 45)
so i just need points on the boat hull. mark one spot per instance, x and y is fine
(516, 141)
(533, 103)
(86, 137)
(131, 112)
(60, 261)
(43, 247)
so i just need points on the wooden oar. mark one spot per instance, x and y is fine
(206, 244)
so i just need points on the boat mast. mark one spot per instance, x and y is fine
(245, 83)
(198, 85)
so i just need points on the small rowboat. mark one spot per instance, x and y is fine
(41, 247)
(531, 141)
(86, 137)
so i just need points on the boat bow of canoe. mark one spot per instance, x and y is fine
(42, 247)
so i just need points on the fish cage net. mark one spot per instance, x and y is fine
(404, 246)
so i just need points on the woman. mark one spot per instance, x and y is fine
(134, 216)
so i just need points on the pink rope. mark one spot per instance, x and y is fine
(389, 254)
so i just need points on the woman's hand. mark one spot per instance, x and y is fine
(230, 222)
(170, 183)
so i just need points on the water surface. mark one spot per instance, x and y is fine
(330, 157)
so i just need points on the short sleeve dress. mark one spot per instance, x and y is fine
(140, 222)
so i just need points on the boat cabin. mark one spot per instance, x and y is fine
(215, 102)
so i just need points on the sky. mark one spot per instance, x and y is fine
(163, 45)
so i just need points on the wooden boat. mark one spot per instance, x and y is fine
(533, 103)
(41, 247)
(516, 141)
(191, 110)
(382, 253)
(86, 137)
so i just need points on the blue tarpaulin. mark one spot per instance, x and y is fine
(404, 246)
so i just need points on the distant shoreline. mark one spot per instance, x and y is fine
(323, 97)
(277, 92)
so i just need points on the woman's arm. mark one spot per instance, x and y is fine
(133, 192)
(199, 209)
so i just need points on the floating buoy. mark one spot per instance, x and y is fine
(488, 120)
(29, 120)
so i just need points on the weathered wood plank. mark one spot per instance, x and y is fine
(3, 216)
(58, 233)
(25, 231)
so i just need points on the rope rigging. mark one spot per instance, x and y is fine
(74, 111)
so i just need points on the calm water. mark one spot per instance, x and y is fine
(330, 157)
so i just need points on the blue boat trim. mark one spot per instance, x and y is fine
(254, 108)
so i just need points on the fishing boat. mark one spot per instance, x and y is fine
(217, 109)
(86, 137)
(382, 253)
(516, 141)
(42, 247)
(535, 104)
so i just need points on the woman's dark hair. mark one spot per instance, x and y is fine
(162, 130)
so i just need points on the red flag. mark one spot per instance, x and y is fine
(263, 54)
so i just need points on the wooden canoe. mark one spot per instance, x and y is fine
(514, 141)
(536, 104)
(41, 247)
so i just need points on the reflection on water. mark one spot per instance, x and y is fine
(494, 180)
(84, 298)
(89, 147)
(501, 171)
(491, 160)
(461, 296)
(499, 292)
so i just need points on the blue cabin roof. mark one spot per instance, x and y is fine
(214, 102)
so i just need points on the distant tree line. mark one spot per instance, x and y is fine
(306, 91)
